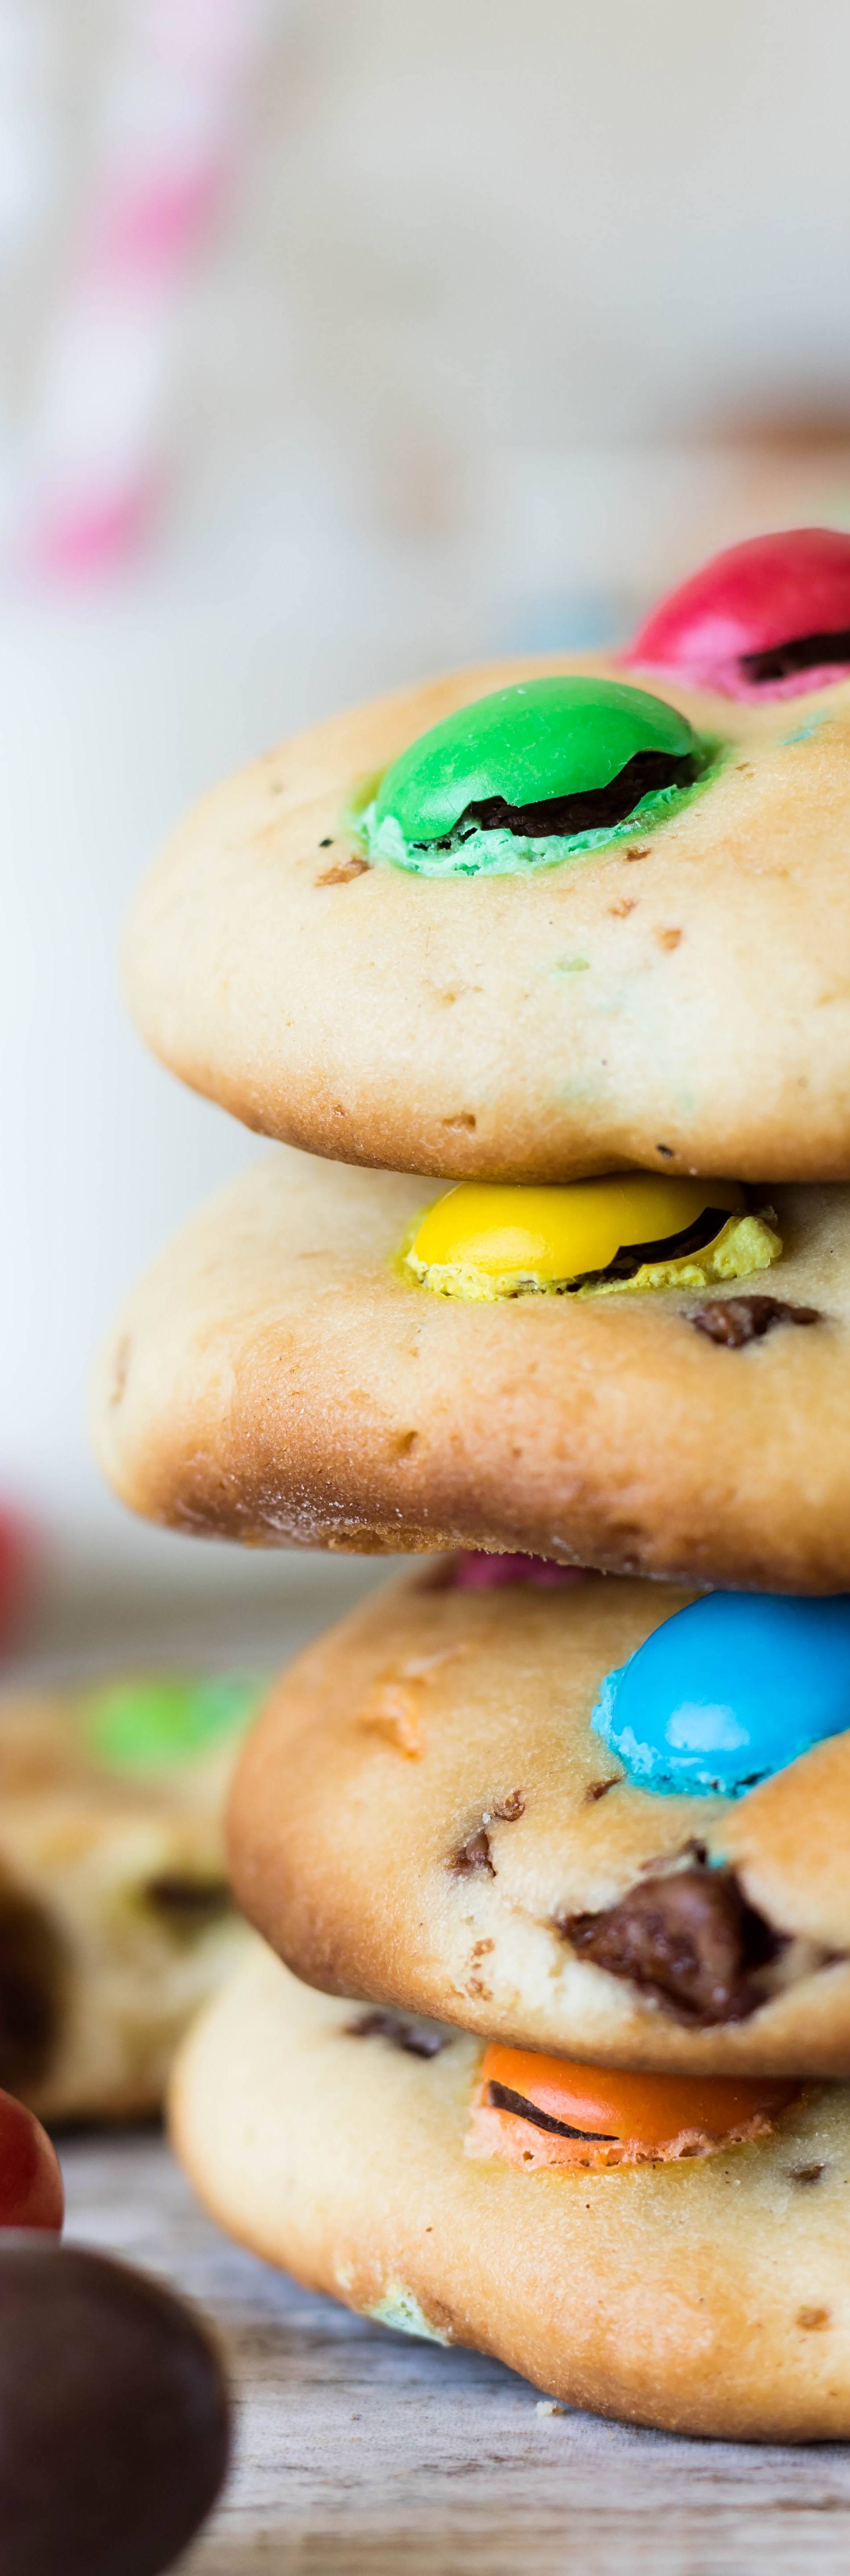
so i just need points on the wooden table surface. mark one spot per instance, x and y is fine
(360, 2451)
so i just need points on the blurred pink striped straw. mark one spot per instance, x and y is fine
(171, 147)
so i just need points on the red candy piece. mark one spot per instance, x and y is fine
(31, 2193)
(767, 619)
(475, 1572)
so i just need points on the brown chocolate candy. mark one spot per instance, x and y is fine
(690, 1939)
(114, 2429)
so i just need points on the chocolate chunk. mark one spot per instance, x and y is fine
(114, 2431)
(736, 1320)
(806, 2173)
(501, 2098)
(474, 1854)
(691, 1940)
(189, 1904)
(417, 2038)
(801, 653)
(599, 1789)
(508, 1810)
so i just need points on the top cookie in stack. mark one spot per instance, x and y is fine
(570, 935)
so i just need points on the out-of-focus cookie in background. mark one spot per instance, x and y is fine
(116, 1919)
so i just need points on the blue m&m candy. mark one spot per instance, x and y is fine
(729, 1691)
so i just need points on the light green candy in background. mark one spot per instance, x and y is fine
(141, 1725)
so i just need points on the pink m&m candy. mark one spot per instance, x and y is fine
(767, 619)
(475, 1572)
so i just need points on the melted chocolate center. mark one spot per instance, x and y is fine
(500, 2098)
(671, 1247)
(593, 809)
(801, 653)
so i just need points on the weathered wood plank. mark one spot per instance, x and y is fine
(363, 2454)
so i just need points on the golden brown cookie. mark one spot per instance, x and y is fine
(424, 1816)
(281, 1377)
(678, 998)
(116, 1919)
(707, 2297)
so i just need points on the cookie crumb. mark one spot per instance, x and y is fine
(344, 870)
(549, 2406)
(669, 938)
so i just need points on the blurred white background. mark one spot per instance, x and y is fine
(472, 326)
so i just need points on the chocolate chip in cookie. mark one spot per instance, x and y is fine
(736, 1320)
(690, 1939)
(416, 2038)
(473, 1854)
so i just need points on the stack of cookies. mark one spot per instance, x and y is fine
(545, 2045)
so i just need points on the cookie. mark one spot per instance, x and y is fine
(526, 922)
(706, 2294)
(284, 1377)
(116, 1919)
(429, 1813)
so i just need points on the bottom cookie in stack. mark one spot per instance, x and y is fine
(569, 1820)
(684, 2269)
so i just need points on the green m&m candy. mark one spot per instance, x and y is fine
(151, 1720)
(522, 774)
